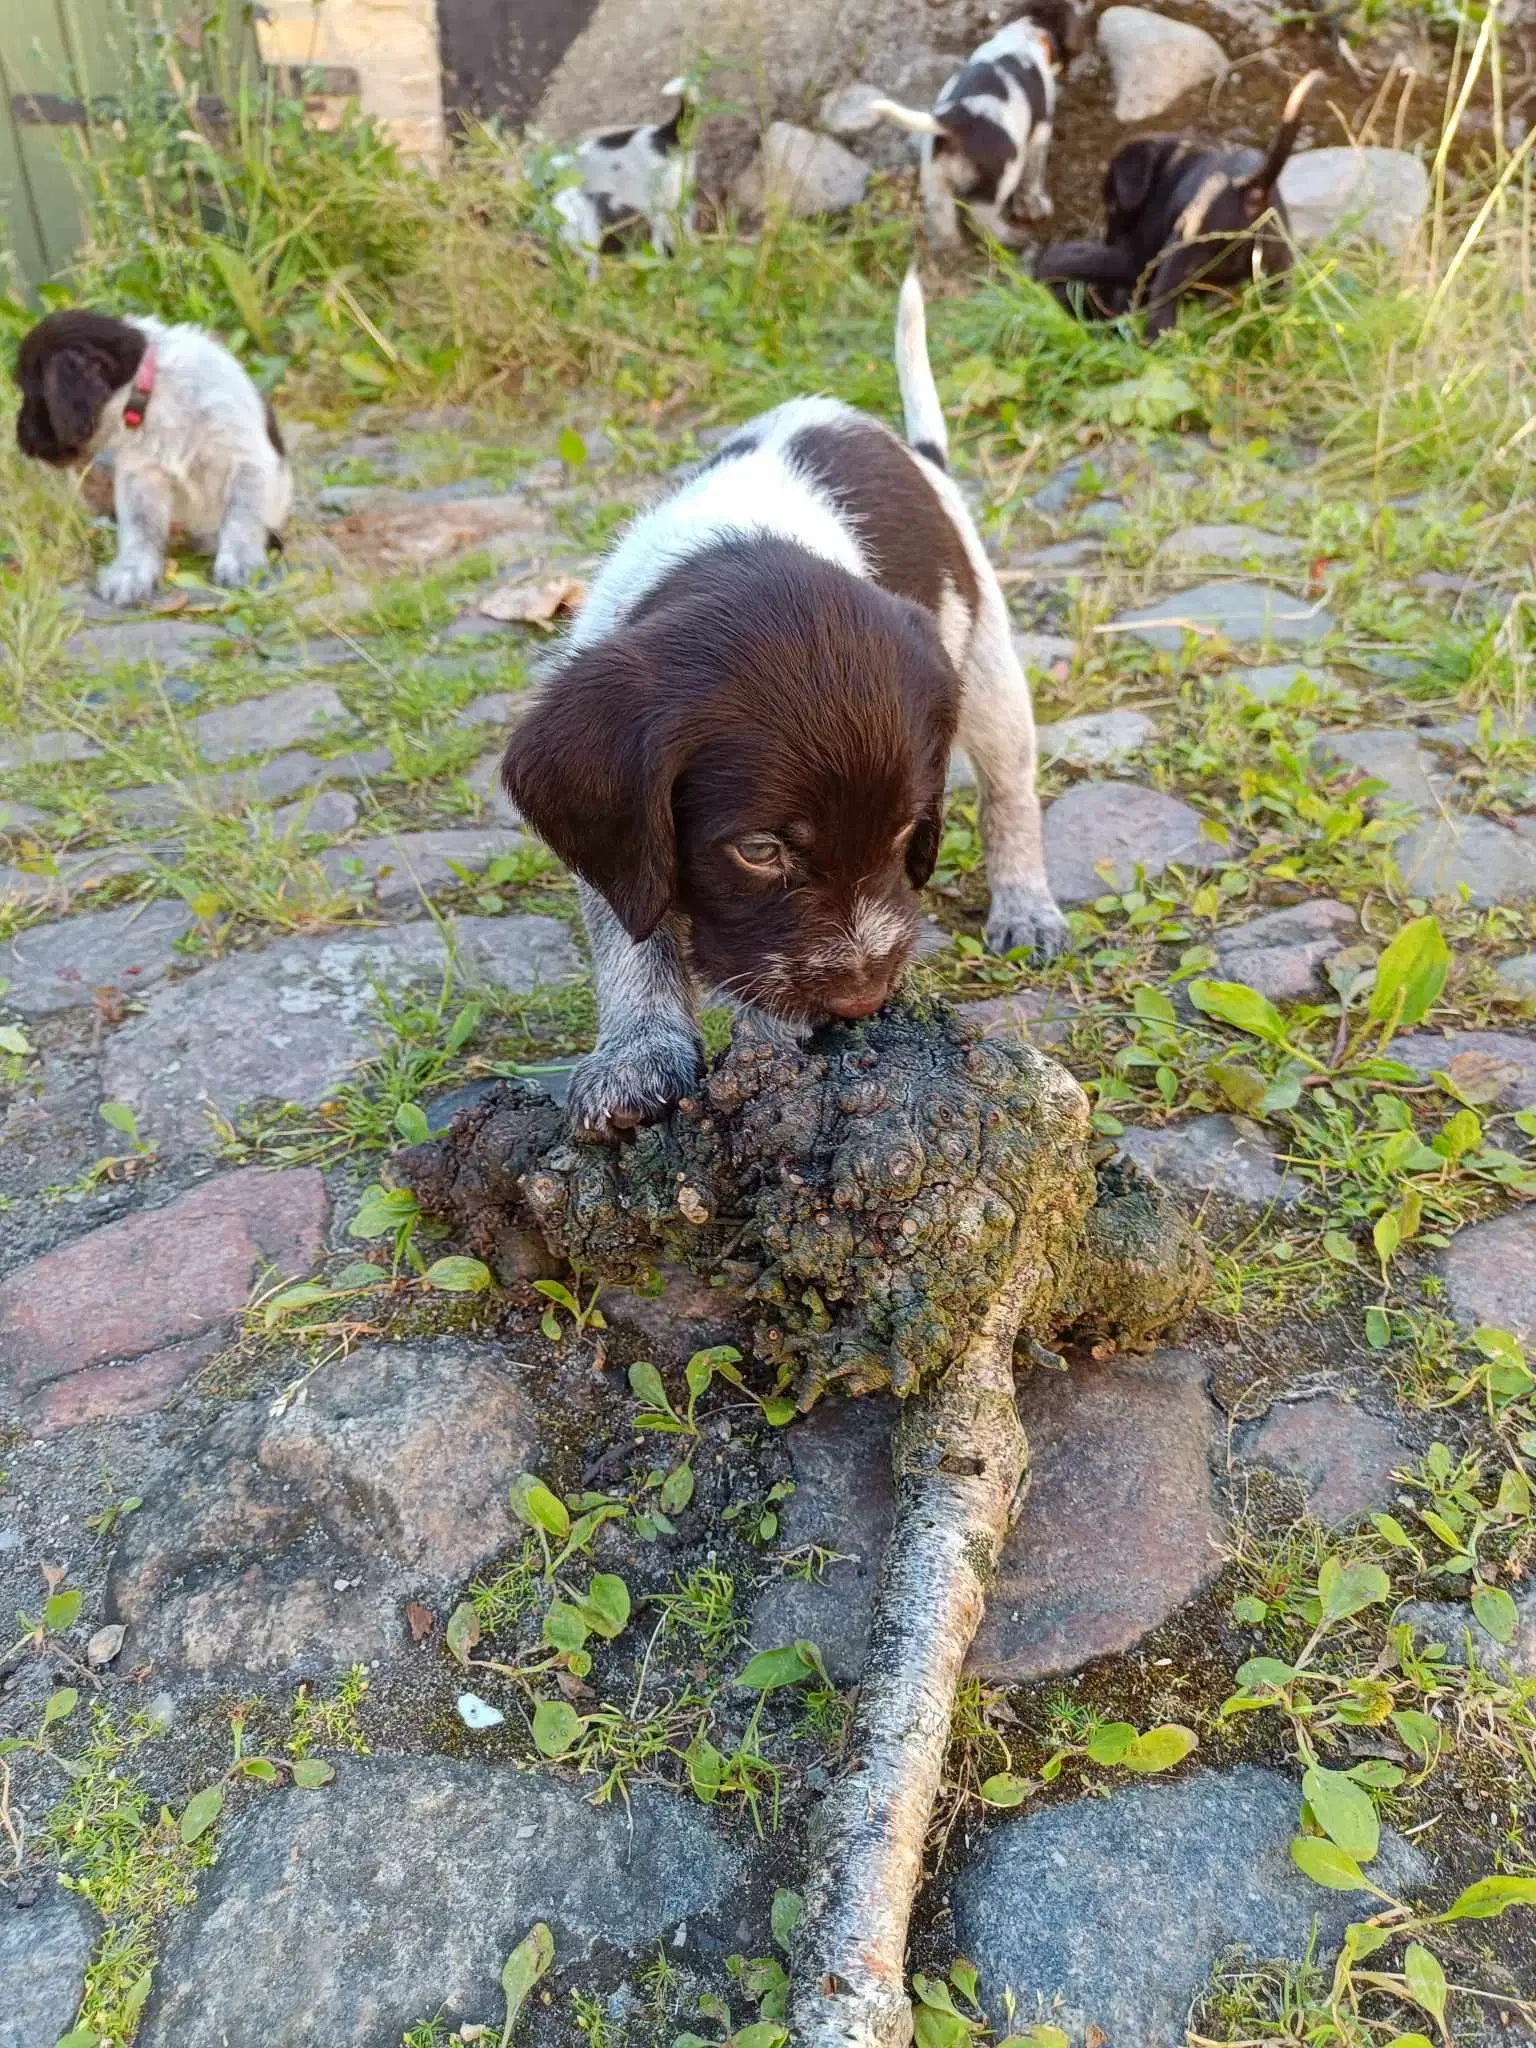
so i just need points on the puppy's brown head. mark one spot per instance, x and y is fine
(68, 366)
(760, 748)
(1136, 172)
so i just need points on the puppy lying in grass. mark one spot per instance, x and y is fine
(1180, 216)
(628, 175)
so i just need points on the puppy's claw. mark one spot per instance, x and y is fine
(619, 1087)
(233, 568)
(1027, 920)
(127, 582)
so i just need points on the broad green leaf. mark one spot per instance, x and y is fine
(1340, 1248)
(1152, 1006)
(646, 1385)
(1248, 1611)
(1160, 1748)
(1497, 1613)
(1346, 1589)
(1005, 1789)
(366, 370)
(779, 1409)
(532, 1502)
(606, 1607)
(1514, 1494)
(138, 1995)
(1421, 1733)
(463, 1631)
(571, 448)
(202, 1810)
(770, 1669)
(963, 1976)
(1362, 1940)
(1265, 1671)
(1233, 1002)
(464, 1027)
(556, 1727)
(1391, 1528)
(61, 1705)
(62, 1611)
(1344, 1810)
(1490, 1897)
(259, 1768)
(80, 2037)
(1425, 1981)
(458, 1276)
(120, 1117)
(564, 1628)
(523, 1969)
(311, 1772)
(1109, 1742)
(382, 1211)
(1387, 1235)
(706, 1768)
(1410, 975)
(935, 2029)
(787, 1913)
(677, 1489)
(1327, 1864)
(1410, 2041)
(698, 1372)
(1037, 2037)
(933, 1992)
(244, 292)
(1463, 1134)
(761, 2034)
(1378, 1328)
(305, 1295)
(411, 1123)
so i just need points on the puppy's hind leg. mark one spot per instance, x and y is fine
(142, 499)
(990, 218)
(648, 1050)
(941, 216)
(997, 730)
(242, 543)
(1037, 201)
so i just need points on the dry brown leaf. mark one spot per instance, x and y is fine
(533, 601)
(420, 1620)
(104, 1645)
(572, 1686)
(1095, 2038)
(1481, 1077)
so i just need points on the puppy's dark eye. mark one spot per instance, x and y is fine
(759, 851)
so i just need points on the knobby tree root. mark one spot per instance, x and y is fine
(904, 1203)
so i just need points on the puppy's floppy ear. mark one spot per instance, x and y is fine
(923, 846)
(1132, 168)
(76, 385)
(591, 767)
(932, 689)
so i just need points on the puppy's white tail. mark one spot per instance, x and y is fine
(916, 119)
(919, 394)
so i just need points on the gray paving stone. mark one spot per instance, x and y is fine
(1500, 1065)
(343, 1916)
(1062, 558)
(496, 707)
(1227, 543)
(1102, 515)
(44, 1949)
(1517, 977)
(1119, 1906)
(1228, 1157)
(237, 788)
(327, 811)
(1270, 681)
(42, 749)
(1493, 863)
(1343, 1456)
(1452, 1622)
(484, 778)
(1231, 611)
(1373, 194)
(261, 725)
(403, 866)
(1384, 754)
(1096, 1560)
(1126, 825)
(194, 1049)
(18, 818)
(105, 953)
(1098, 739)
(162, 644)
(233, 1561)
(76, 874)
(1035, 1016)
(1281, 954)
(1490, 1275)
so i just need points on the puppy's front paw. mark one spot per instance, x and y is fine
(234, 566)
(1039, 206)
(1026, 917)
(127, 582)
(631, 1082)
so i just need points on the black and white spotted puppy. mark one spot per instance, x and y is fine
(989, 133)
(741, 751)
(191, 440)
(627, 175)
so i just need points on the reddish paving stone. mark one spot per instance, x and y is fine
(1035, 1016)
(1118, 1531)
(1343, 1456)
(119, 1390)
(156, 1280)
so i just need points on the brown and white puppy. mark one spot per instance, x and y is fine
(742, 753)
(191, 440)
(989, 133)
(1181, 216)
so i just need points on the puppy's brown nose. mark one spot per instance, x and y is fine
(853, 1007)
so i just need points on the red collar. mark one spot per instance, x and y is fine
(143, 384)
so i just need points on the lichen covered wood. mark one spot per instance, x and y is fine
(872, 1189)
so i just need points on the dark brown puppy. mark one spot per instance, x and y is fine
(1181, 216)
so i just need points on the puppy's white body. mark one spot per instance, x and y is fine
(202, 459)
(1008, 82)
(754, 486)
